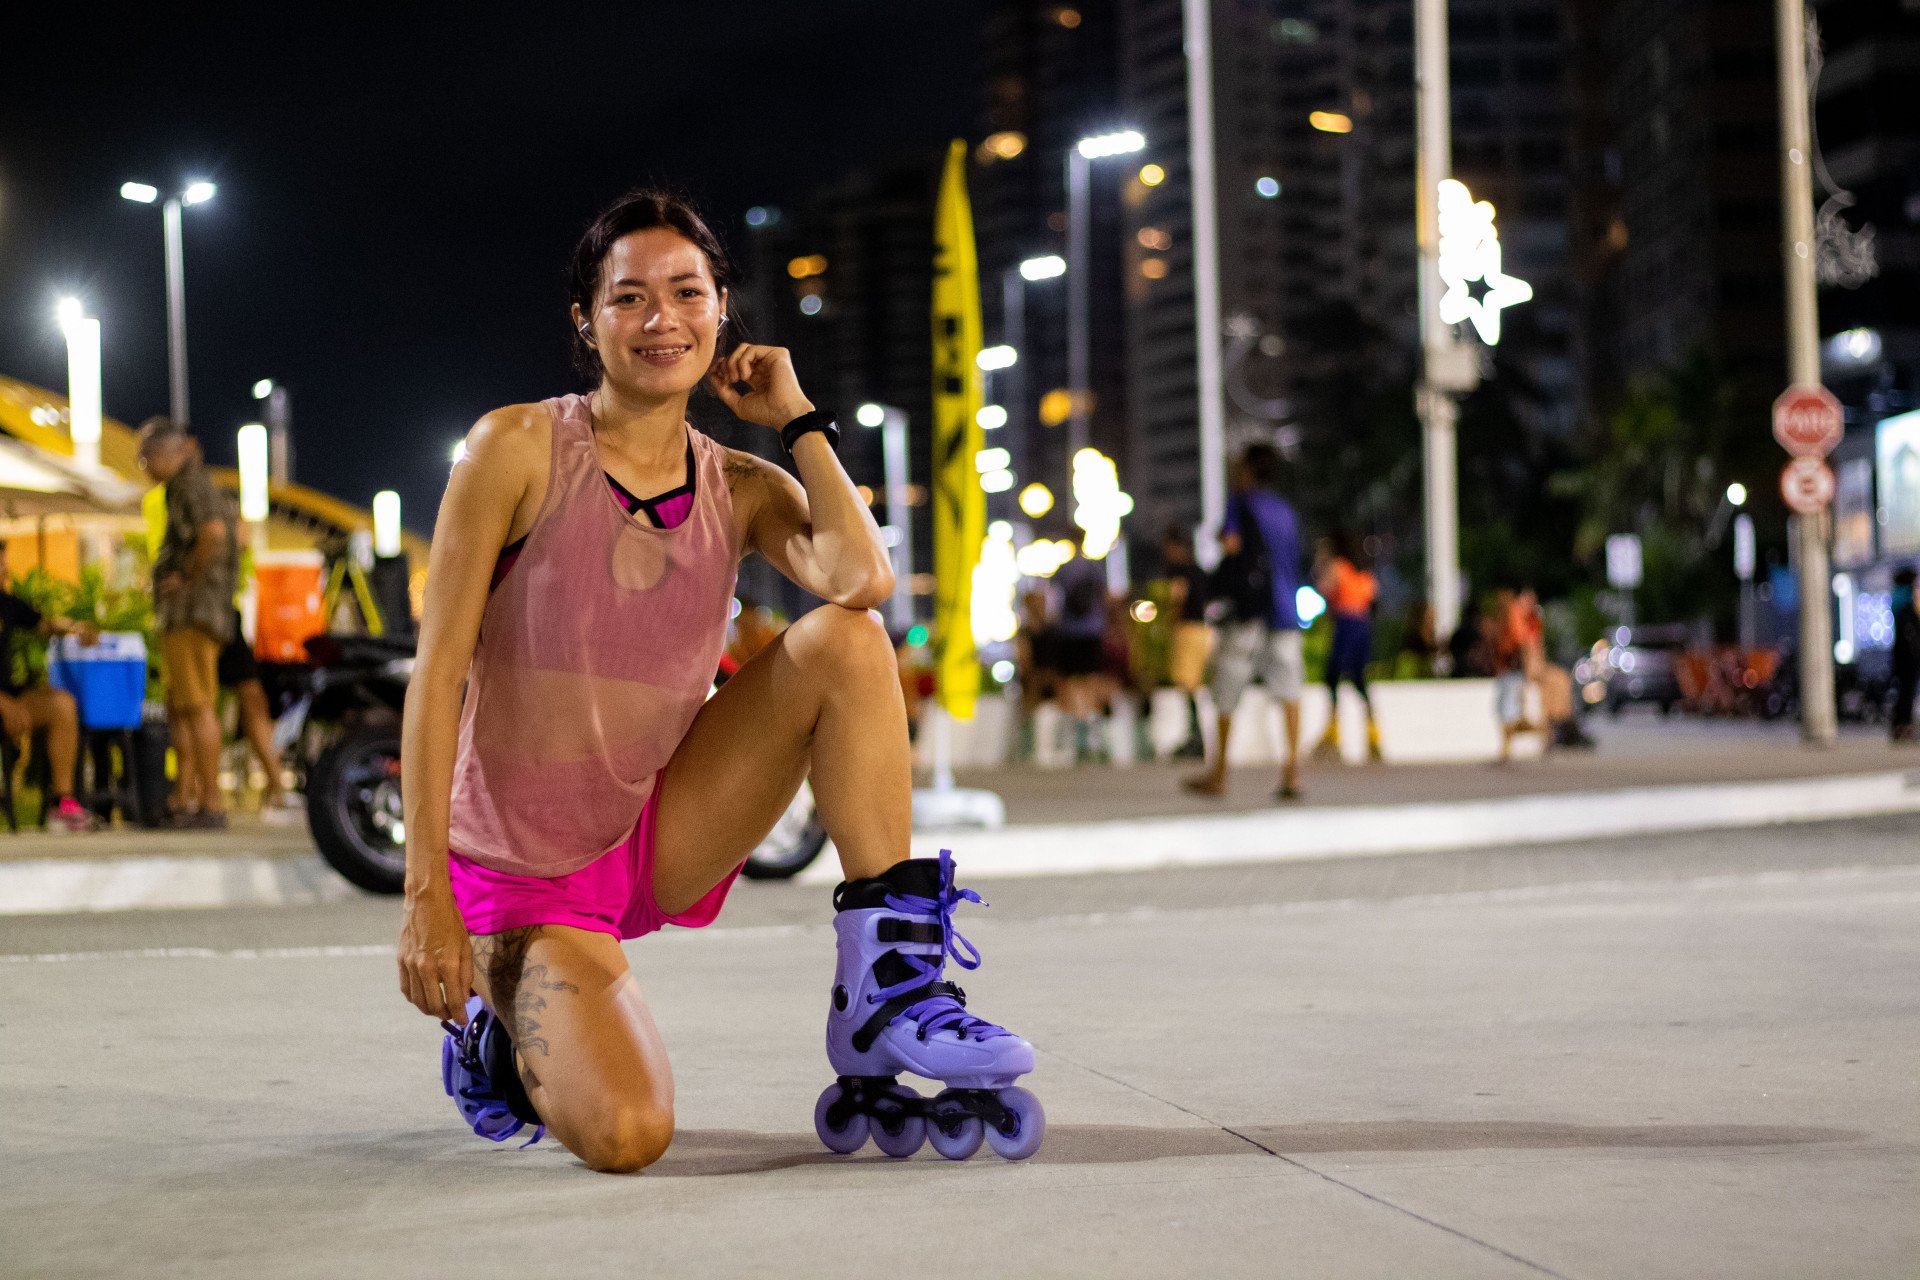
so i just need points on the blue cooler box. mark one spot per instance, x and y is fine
(108, 680)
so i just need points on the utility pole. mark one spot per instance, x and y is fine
(1449, 366)
(1206, 273)
(1818, 721)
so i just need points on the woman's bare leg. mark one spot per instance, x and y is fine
(588, 1051)
(257, 726)
(822, 698)
(55, 711)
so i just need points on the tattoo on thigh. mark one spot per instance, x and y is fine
(519, 989)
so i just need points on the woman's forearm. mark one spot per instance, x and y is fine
(429, 737)
(846, 540)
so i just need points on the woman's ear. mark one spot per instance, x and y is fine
(581, 325)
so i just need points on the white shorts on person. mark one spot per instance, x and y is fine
(1249, 651)
(1510, 697)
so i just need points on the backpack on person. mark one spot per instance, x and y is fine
(1244, 579)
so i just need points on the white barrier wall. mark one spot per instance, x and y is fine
(1421, 722)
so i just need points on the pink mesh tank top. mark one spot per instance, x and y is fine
(595, 653)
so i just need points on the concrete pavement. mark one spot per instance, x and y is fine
(1648, 775)
(1685, 1056)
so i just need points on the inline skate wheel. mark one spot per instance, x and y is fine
(961, 1143)
(1026, 1125)
(847, 1139)
(910, 1127)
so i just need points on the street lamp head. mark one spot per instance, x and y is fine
(1111, 144)
(1045, 267)
(139, 192)
(870, 415)
(69, 312)
(263, 388)
(197, 193)
(1737, 494)
(1001, 357)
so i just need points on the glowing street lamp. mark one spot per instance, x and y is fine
(1000, 357)
(253, 472)
(386, 523)
(1045, 267)
(198, 192)
(83, 381)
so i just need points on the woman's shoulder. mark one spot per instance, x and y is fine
(512, 433)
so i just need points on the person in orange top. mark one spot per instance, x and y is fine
(1341, 576)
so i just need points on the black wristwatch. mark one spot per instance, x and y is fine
(820, 420)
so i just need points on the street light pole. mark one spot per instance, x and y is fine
(1080, 158)
(1079, 352)
(279, 429)
(1013, 332)
(176, 310)
(1818, 719)
(194, 193)
(893, 451)
(1449, 367)
(1206, 272)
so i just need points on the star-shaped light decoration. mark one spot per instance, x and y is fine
(1470, 252)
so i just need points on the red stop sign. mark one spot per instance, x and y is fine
(1807, 422)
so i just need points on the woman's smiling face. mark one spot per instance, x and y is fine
(656, 314)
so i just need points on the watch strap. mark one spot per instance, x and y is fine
(820, 420)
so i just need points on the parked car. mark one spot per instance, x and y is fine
(1634, 664)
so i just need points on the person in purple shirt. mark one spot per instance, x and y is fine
(1260, 644)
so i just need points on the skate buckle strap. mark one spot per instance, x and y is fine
(924, 998)
(479, 1100)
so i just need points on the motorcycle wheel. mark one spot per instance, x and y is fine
(354, 808)
(795, 841)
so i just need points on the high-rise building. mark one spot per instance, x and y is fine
(1867, 171)
(844, 279)
(1693, 253)
(1315, 131)
(1050, 74)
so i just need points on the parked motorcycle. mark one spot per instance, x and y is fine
(341, 736)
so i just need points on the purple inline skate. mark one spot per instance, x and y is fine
(892, 1012)
(477, 1069)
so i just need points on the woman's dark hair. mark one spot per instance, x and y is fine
(641, 210)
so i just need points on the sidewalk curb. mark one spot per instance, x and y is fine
(48, 885)
(1275, 835)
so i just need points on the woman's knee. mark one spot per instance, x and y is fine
(624, 1136)
(841, 637)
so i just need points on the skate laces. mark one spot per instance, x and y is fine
(942, 1011)
(471, 1087)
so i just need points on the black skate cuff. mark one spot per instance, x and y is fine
(919, 877)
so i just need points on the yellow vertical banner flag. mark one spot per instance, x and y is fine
(959, 504)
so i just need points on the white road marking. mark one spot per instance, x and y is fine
(1548, 894)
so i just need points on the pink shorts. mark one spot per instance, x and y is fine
(612, 894)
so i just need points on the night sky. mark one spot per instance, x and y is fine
(398, 195)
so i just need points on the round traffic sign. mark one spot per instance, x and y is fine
(1807, 421)
(1807, 485)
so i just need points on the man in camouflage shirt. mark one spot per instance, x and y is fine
(193, 584)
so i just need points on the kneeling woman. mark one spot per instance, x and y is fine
(584, 790)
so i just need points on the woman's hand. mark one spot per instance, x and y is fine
(773, 397)
(436, 956)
